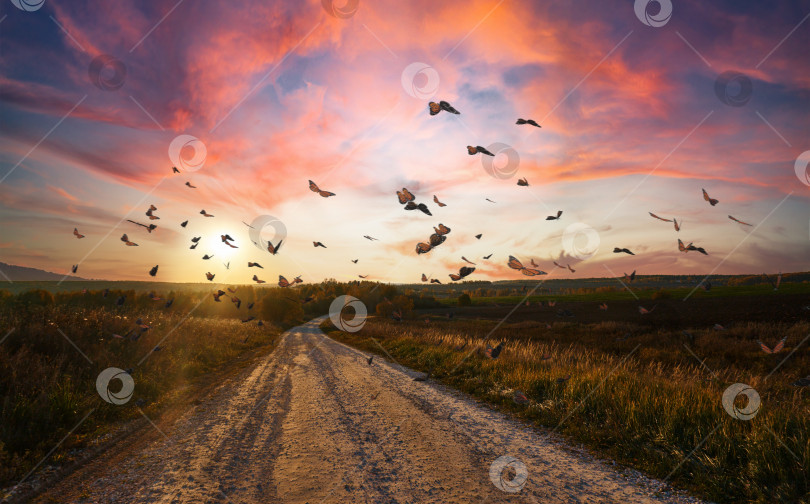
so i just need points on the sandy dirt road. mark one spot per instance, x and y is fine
(314, 422)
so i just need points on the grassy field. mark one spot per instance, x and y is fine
(633, 390)
(51, 355)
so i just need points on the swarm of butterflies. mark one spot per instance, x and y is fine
(438, 237)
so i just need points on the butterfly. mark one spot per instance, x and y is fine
(677, 226)
(738, 220)
(523, 182)
(467, 260)
(125, 239)
(645, 311)
(463, 272)
(603, 306)
(209, 276)
(238, 302)
(405, 196)
(256, 279)
(488, 256)
(493, 353)
(528, 121)
(515, 264)
(437, 239)
(660, 218)
(617, 250)
(418, 206)
(478, 236)
(274, 249)
(355, 261)
(435, 280)
(153, 271)
(74, 268)
(318, 244)
(424, 278)
(711, 201)
(226, 239)
(362, 276)
(149, 213)
(218, 295)
(436, 200)
(472, 151)
(314, 188)
(423, 248)
(77, 234)
(553, 217)
(630, 277)
(191, 186)
(370, 238)
(435, 108)
(205, 214)
(442, 229)
(282, 282)
(175, 170)
(149, 228)
(184, 223)
(252, 264)
(776, 348)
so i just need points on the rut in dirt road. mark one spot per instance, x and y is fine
(314, 422)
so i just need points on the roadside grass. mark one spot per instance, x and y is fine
(635, 394)
(47, 386)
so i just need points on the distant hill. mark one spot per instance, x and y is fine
(23, 274)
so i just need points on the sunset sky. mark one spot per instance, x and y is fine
(283, 92)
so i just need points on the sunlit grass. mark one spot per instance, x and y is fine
(644, 401)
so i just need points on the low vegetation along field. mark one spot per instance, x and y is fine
(643, 389)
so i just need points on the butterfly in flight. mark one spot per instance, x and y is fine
(472, 151)
(711, 201)
(153, 271)
(467, 260)
(435, 280)
(424, 278)
(77, 234)
(405, 196)
(630, 277)
(75, 268)
(514, 263)
(175, 170)
(463, 272)
(418, 206)
(355, 261)
(184, 223)
(370, 238)
(125, 239)
(252, 264)
(274, 249)
(617, 250)
(150, 214)
(528, 121)
(209, 276)
(660, 218)
(149, 228)
(435, 108)
(226, 239)
(523, 182)
(314, 188)
(776, 348)
(205, 214)
(738, 220)
(191, 186)
(218, 295)
(318, 244)
(478, 236)
(677, 226)
(493, 353)
(488, 256)
(555, 217)
(436, 200)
